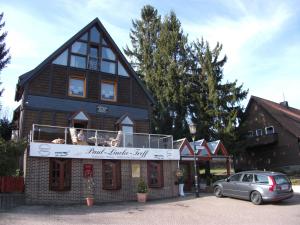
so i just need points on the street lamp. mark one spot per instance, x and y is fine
(192, 127)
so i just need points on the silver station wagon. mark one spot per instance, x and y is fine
(256, 186)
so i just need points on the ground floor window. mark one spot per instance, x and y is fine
(155, 174)
(111, 174)
(60, 174)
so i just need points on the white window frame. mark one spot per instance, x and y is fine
(256, 132)
(269, 127)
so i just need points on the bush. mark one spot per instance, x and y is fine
(142, 187)
(10, 153)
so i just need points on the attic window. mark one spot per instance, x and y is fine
(269, 130)
(107, 53)
(94, 35)
(250, 133)
(79, 47)
(259, 132)
(121, 70)
(62, 59)
(84, 37)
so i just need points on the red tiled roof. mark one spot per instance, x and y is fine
(288, 117)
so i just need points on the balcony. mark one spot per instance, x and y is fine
(259, 141)
(54, 141)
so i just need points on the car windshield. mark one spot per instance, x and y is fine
(281, 179)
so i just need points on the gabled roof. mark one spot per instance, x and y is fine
(23, 79)
(216, 146)
(286, 116)
(202, 147)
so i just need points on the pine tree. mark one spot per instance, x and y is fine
(159, 51)
(217, 103)
(4, 53)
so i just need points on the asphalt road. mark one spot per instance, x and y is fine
(204, 210)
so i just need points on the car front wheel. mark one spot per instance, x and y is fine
(218, 191)
(256, 198)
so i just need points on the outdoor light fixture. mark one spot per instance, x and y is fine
(193, 129)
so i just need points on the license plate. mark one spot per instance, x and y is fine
(285, 187)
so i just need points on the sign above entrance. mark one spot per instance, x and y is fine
(98, 152)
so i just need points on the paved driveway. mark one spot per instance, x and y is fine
(205, 210)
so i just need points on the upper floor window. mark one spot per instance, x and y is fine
(84, 37)
(95, 35)
(121, 70)
(111, 174)
(108, 91)
(155, 174)
(60, 174)
(62, 59)
(107, 53)
(77, 86)
(108, 67)
(250, 133)
(78, 61)
(79, 47)
(269, 130)
(259, 132)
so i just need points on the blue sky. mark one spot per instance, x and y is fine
(260, 38)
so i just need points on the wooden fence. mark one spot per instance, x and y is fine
(10, 184)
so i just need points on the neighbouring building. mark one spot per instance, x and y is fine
(87, 114)
(271, 137)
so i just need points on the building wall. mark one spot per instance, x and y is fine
(284, 152)
(37, 183)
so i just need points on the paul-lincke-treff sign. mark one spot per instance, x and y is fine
(98, 152)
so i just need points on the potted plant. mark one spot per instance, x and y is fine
(142, 191)
(90, 186)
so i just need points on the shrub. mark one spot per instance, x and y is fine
(142, 187)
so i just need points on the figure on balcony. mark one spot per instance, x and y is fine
(81, 136)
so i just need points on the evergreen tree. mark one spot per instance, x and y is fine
(159, 51)
(5, 129)
(215, 105)
(4, 53)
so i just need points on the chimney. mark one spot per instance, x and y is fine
(285, 104)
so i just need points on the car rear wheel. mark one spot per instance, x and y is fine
(256, 198)
(218, 191)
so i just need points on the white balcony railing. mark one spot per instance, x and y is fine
(69, 135)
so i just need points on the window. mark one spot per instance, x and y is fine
(93, 58)
(121, 70)
(261, 179)
(235, 177)
(269, 130)
(62, 59)
(78, 61)
(77, 87)
(111, 174)
(248, 178)
(250, 133)
(107, 53)
(108, 91)
(259, 132)
(155, 174)
(60, 174)
(95, 35)
(108, 67)
(79, 47)
(84, 37)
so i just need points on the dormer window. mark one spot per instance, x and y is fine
(250, 133)
(259, 132)
(269, 130)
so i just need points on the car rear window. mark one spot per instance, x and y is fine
(261, 179)
(281, 179)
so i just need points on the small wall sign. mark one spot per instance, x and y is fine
(101, 109)
(88, 170)
(135, 170)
